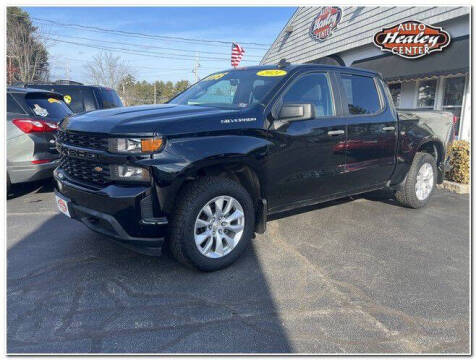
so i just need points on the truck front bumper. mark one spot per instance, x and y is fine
(115, 211)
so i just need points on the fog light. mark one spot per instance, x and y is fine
(129, 173)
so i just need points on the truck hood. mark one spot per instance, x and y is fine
(164, 119)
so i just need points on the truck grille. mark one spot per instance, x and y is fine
(84, 170)
(82, 140)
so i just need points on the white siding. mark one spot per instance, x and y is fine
(357, 28)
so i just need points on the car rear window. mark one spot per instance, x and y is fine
(109, 98)
(48, 106)
(361, 93)
(12, 105)
(73, 97)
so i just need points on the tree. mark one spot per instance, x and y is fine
(135, 92)
(126, 90)
(107, 70)
(27, 57)
(181, 86)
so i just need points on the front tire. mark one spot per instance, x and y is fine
(420, 182)
(212, 224)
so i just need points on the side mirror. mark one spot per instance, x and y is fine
(294, 112)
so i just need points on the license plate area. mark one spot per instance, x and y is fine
(63, 205)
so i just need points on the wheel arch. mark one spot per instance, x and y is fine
(242, 172)
(239, 170)
(433, 147)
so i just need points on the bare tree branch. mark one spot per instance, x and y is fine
(107, 69)
(26, 50)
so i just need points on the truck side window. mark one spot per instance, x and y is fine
(361, 93)
(314, 89)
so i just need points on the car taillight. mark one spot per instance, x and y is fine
(34, 126)
(41, 161)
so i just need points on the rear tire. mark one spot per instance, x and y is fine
(420, 182)
(190, 223)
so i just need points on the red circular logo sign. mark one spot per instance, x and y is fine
(325, 22)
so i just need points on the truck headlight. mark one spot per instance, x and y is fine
(136, 145)
(129, 173)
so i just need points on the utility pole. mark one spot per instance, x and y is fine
(67, 70)
(196, 66)
(155, 92)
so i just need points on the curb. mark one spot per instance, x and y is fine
(455, 187)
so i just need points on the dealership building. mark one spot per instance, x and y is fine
(439, 80)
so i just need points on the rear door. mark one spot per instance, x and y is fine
(372, 132)
(308, 159)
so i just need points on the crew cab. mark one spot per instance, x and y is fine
(204, 171)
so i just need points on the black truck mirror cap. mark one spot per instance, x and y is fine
(293, 112)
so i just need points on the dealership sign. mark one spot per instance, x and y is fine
(412, 39)
(325, 22)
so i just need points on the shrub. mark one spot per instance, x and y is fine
(459, 160)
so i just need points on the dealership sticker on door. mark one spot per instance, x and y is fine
(412, 39)
(325, 22)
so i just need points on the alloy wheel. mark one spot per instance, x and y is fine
(219, 226)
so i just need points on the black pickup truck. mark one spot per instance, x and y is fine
(204, 171)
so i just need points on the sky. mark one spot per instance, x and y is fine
(150, 57)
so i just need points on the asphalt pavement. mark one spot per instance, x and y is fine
(359, 275)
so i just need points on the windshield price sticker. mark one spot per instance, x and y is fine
(215, 76)
(67, 99)
(53, 100)
(271, 73)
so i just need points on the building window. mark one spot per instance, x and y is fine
(453, 98)
(426, 94)
(395, 90)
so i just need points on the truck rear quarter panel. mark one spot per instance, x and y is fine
(417, 128)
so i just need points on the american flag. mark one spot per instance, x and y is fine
(236, 54)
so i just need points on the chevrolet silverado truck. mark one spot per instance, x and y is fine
(203, 172)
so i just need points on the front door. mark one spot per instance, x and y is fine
(308, 156)
(371, 133)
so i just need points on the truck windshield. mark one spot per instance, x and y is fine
(231, 89)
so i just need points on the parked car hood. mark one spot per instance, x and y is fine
(164, 119)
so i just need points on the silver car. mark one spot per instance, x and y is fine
(32, 118)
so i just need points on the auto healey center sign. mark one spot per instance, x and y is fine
(412, 39)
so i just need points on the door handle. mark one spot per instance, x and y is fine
(388, 128)
(335, 132)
